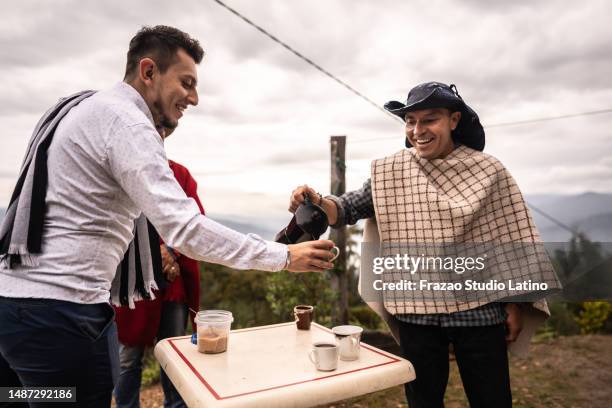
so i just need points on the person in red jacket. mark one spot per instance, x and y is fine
(160, 318)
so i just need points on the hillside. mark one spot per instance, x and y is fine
(590, 213)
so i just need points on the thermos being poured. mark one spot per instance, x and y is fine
(308, 223)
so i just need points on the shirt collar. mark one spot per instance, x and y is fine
(129, 92)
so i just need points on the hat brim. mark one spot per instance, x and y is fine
(427, 101)
(469, 131)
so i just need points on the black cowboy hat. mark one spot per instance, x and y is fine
(430, 95)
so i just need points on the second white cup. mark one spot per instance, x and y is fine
(348, 339)
(324, 356)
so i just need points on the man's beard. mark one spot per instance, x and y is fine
(162, 119)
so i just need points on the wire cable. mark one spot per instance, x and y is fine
(307, 60)
(572, 115)
(553, 219)
(371, 102)
(506, 124)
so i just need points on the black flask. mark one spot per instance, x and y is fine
(308, 224)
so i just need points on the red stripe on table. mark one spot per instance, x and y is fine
(306, 381)
(218, 397)
(197, 374)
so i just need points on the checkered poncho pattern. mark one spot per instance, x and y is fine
(467, 197)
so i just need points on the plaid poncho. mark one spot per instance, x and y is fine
(466, 199)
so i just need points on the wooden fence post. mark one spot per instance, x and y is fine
(339, 280)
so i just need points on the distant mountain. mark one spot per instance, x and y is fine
(590, 213)
(263, 228)
(571, 208)
(246, 226)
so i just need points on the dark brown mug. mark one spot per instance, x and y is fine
(303, 316)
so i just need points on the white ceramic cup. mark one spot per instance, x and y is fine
(324, 355)
(348, 339)
(337, 253)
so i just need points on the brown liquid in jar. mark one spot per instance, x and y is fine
(211, 341)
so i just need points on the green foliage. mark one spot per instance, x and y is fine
(241, 292)
(259, 298)
(286, 289)
(362, 315)
(593, 316)
(585, 270)
(150, 369)
(562, 321)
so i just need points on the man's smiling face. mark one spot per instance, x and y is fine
(429, 131)
(175, 90)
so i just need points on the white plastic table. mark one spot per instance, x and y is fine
(268, 366)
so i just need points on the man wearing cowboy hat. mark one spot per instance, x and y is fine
(443, 189)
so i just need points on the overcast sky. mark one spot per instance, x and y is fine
(265, 117)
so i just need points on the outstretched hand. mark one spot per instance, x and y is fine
(299, 194)
(311, 256)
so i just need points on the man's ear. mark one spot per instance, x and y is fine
(147, 70)
(455, 118)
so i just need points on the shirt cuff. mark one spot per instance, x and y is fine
(278, 255)
(340, 218)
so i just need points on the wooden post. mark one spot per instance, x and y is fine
(339, 281)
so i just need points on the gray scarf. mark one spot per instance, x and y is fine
(22, 227)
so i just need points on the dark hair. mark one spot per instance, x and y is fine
(160, 43)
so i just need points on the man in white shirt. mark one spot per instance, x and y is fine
(106, 164)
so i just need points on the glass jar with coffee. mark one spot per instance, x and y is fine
(213, 329)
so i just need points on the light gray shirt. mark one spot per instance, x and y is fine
(106, 164)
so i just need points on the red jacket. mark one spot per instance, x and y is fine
(139, 326)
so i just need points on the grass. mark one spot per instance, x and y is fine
(565, 372)
(562, 372)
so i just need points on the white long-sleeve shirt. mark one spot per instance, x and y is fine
(106, 164)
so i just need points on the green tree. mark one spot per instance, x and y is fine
(284, 290)
(241, 292)
(585, 270)
(593, 316)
